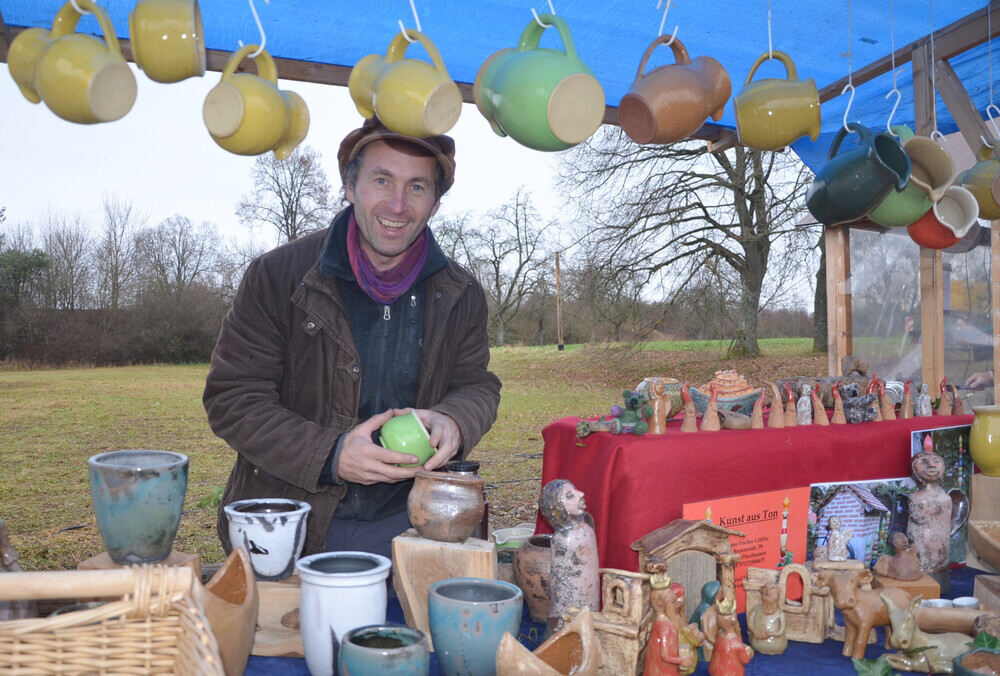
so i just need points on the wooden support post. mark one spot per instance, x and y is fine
(838, 297)
(559, 336)
(995, 306)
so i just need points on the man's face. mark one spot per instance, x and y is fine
(573, 500)
(393, 199)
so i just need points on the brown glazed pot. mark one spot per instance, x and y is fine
(445, 506)
(531, 573)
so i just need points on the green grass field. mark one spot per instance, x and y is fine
(52, 420)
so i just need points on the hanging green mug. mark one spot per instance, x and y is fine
(901, 207)
(542, 98)
(853, 182)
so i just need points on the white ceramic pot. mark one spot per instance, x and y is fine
(340, 592)
(271, 530)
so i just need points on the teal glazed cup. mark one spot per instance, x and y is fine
(468, 617)
(138, 496)
(854, 182)
(384, 650)
(542, 98)
(407, 434)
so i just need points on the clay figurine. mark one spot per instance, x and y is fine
(819, 410)
(661, 406)
(838, 539)
(957, 407)
(574, 580)
(904, 564)
(944, 403)
(923, 407)
(734, 420)
(791, 415)
(775, 414)
(663, 650)
(857, 408)
(838, 406)
(730, 655)
(690, 421)
(930, 522)
(861, 606)
(766, 622)
(709, 592)
(12, 610)
(930, 653)
(633, 415)
(757, 415)
(906, 410)
(803, 409)
(886, 406)
(690, 636)
(710, 419)
(874, 386)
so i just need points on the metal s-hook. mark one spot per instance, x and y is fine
(260, 27)
(416, 20)
(892, 113)
(850, 101)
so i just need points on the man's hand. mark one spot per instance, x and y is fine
(363, 462)
(445, 436)
(980, 380)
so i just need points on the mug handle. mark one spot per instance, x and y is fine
(780, 56)
(399, 44)
(533, 33)
(67, 18)
(985, 153)
(680, 53)
(265, 64)
(861, 130)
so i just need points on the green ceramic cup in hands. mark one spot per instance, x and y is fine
(407, 434)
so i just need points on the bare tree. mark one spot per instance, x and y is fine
(115, 254)
(288, 195)
(677, 208)
(608, 295)
(69, 276)
(176, 255)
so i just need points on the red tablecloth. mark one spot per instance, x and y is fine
(634, 485)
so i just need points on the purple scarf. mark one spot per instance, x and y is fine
(385, 287)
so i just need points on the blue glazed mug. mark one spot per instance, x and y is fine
(138, 496)
(468, 617)
(384, 650)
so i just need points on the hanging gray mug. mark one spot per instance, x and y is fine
(853, 183)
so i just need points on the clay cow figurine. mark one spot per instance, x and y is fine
(931, 653)
(574, 580)
(730, 655)
(862, 609)
(766, 622)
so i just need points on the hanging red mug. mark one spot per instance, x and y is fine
(947, 221)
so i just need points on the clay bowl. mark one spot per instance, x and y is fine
(445, 506)
(977, 661)
(984, 537)
(742, 403)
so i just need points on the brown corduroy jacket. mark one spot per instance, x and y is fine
(285, 376)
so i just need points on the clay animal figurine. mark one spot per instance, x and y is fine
(862, 609)
(661, 406)
(838, 406)
(930, 653)
(757, 416)
(857, 408)
(803, 409)
(904, 564)
(730, 655)
(574, 580)
(930, 522)
(634, 414)
(906, 409)
(791, 415)
(766, 622)
(775, 414)
(886, 406)
(709, 592)
(838, 539)
(923, 407)
(944, 403)
(690, 421)
(575, 649)
(663, 650)
(818, 410)
(710, 419)
(12, 610)
(957, 407)
(734, 420)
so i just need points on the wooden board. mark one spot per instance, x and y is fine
(986, 588)
(278, 599)
(103, 561)
(984, 492)
(924, 585)
(417, 563)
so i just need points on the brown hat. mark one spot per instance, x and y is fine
(442, 147)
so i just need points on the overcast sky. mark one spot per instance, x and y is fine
(162, 158)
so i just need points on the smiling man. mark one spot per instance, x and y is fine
(331, 335)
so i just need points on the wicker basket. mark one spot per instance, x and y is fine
(157, 627)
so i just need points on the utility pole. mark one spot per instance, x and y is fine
(559, 336)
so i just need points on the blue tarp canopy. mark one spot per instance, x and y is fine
(610, 37)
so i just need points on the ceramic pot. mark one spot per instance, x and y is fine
(984, 439)
(340, 592)
(138, 496)
(445, 506)
(531, 573)
(271, 530)
(384, 650)
(468, 617)
(977, 662)
(742, 403)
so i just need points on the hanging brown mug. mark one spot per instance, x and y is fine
(671, 102)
